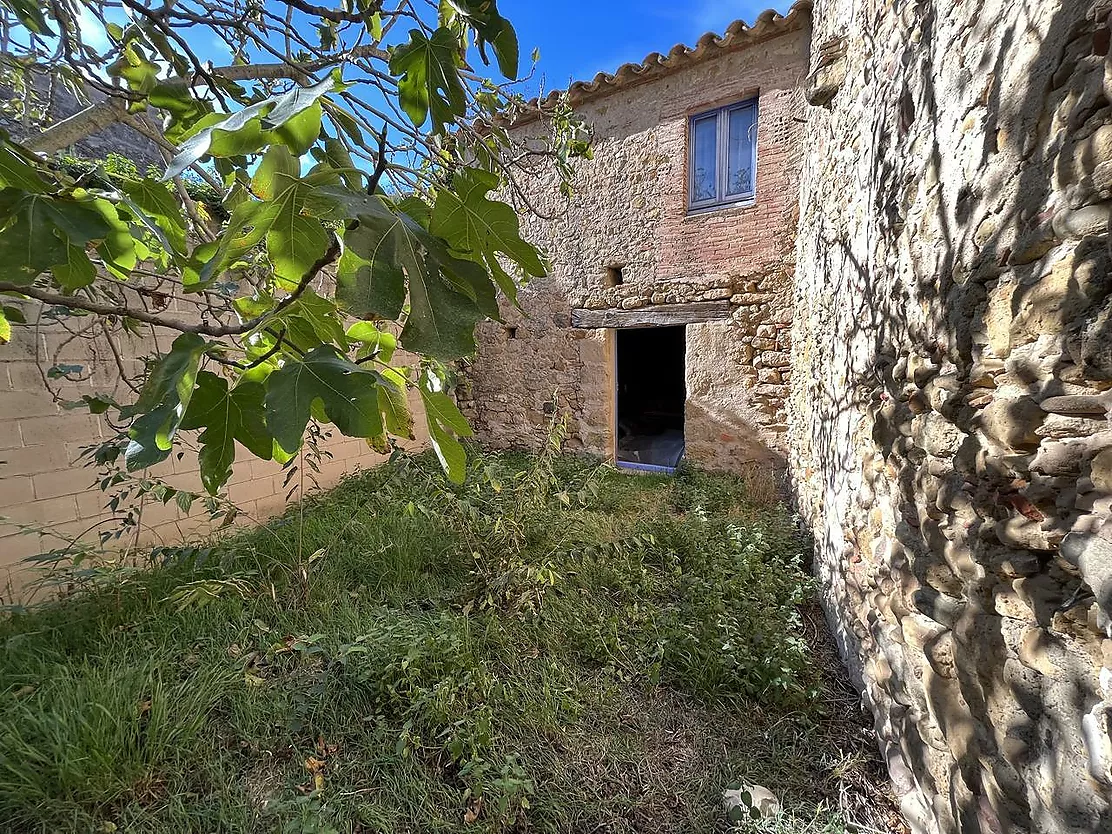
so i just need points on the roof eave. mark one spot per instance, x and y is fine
(738, 35)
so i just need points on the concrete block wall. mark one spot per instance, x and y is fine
(43, 484)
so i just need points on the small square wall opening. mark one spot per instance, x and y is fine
(652, 391)
(511, 332)
(614, 275)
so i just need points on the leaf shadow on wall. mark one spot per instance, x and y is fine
(972, 293)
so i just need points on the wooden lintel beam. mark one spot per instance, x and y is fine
(657, 315)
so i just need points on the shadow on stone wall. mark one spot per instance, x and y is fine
(963, 439)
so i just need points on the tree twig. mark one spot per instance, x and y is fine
(105, 113)
(200, 328)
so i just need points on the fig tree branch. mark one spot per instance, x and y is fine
(201, 328)
(105, 113)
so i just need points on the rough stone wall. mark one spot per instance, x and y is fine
(42, 483)
(952, 376)
(629, 210)
(62, 103)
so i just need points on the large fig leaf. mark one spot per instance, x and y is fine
(490, 28)
(162, 403)
(43, 232)
(28, 244)
(370, 280)
(430, 81)
(160, 211)
(347, 393)
(294, 240)
(293, 118)
(483, 228)
(226, 416)
(17, 173)
(446, 423)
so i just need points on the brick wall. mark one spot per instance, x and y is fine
(41, 482)
(630, 209)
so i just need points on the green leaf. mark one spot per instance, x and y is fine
(376, 343)
(369, 277)
(52, 233)
(294, 241)
(447, 296)
(503, 39)
(118, 247)
(296, 101)
(78, 222)
(162, 403)
(395, 404)
(293, 118)
(29, 245)
(490, 28)
(60, 371)
(76, 271)
(344, 121)
(446, 423)
(441, 321)
(226, 416)
(347, 393)
(14, 314)
(472, 223)
(16, 172)
(336, 153)
(5, 327)
(429, 78)
(30, 14)
(157, 204)
(96, 403)
(300, 132)
(200, 143)
(245, 229)
(184, 109)
(309, 321)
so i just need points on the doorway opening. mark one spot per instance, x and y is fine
(651, 395)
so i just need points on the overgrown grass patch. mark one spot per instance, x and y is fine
(552, 647)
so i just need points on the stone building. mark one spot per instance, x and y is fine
(666, 315)
(923, 276)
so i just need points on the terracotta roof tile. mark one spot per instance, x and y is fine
(738, 35)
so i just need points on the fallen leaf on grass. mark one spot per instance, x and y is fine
(473, 810)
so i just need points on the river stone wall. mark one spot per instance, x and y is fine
(952, 375)
(629, 211)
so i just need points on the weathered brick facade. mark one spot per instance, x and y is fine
(629, 209)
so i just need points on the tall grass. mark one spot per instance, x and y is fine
(553, 646)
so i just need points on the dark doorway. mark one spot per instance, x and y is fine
(651, 394)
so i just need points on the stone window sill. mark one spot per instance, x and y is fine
(749, 202)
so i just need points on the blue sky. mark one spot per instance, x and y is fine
(578, 38)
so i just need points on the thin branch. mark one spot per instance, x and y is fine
(335, 15)
(200, 328)
(119, 359)
(270, 354)
(105, 113)
(380, 165)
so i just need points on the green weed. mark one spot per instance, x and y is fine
(553, 646)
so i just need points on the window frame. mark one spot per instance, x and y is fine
(721, 157)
